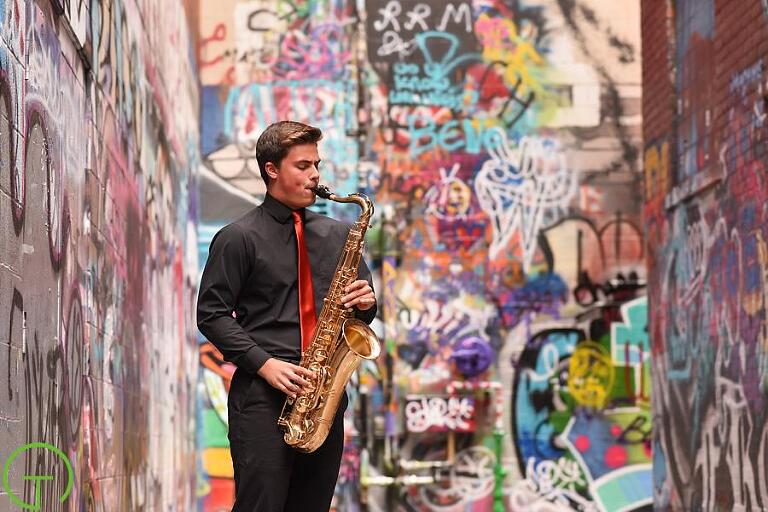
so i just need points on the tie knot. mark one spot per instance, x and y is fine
(296, 217)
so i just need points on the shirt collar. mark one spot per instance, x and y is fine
(278, 210)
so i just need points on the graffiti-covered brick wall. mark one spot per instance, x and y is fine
(98, 157)
(500, 142)
(705, 108)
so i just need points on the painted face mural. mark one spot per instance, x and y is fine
(507, 251)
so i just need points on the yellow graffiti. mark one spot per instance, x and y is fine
(502, 43)
(656, 167)
(590, 374)
(217, 462)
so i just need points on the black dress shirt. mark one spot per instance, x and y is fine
(252, 271)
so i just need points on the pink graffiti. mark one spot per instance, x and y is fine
(319, 54)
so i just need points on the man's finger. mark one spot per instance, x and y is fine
(304, 372)
(355, 285)
(355, 295)
(301, 380)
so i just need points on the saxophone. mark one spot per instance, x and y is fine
(339, 344)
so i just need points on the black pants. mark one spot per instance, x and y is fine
(270, 476)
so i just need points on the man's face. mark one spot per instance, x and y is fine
(291, 182)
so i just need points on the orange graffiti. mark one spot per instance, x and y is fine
(656, 165)
(212, 359)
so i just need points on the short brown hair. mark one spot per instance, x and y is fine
(278, 139)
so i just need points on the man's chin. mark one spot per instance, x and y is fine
(310, 201)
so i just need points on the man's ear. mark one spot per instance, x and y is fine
(271, 170)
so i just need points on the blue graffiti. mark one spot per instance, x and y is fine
(438, 69)
(693, 17)
(681, 326)
(249, 109)
(309, 108)
(474, 136)
(543, 293)
(631, 337)
(542, 371)
(428, 84)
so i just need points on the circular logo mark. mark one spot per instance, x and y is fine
(38, 479)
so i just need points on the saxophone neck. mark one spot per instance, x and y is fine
(365, 204)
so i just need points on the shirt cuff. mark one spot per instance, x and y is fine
(254, 359)
(367, 315)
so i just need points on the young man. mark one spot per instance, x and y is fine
(249, 308)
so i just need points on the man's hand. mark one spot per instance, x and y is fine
(288, 378)
(360, 294)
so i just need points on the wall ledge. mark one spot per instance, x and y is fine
(694, 185)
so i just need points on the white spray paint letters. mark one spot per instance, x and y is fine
(438, 414)
(522, 188)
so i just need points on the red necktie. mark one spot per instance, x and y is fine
(307, 315)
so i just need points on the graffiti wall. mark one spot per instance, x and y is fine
(705, 162)
(500, 141)
(98, 157)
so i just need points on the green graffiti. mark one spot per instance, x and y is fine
(36, 478)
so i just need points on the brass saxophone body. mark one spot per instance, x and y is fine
(339, 344)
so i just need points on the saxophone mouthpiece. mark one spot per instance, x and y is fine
(323, 191)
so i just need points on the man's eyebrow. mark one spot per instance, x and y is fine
(305, 161)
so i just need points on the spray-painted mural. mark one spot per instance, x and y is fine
(706, 227)
(98, 156)
(500, 140)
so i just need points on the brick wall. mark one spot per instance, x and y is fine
(705, 106)
(98, 164)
